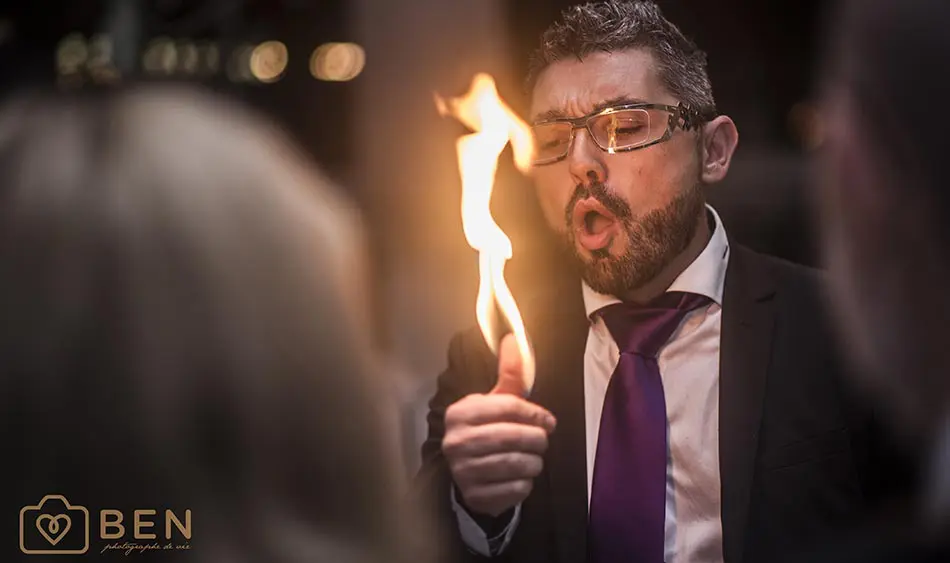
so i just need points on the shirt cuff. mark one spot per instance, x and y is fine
(475, 537)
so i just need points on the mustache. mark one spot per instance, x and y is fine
(598, 191)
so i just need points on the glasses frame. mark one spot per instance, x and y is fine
(682, 116)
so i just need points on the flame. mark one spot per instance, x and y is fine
(495, 125)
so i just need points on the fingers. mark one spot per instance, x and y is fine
(494, 445)
(495, 438)
(485, 409)
(495, 498)
(510, 369)
(496, 469)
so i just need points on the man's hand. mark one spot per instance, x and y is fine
(494, 443)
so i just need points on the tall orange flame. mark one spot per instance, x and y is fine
(495, 125)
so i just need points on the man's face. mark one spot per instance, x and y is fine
(624, 216)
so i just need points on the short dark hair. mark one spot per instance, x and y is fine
(616, 25)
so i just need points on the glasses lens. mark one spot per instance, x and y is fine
(551, 141)
(625, 129)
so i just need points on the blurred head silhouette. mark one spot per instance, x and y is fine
(182, 328)
(885, 201)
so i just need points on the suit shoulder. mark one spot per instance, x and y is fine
(785, 273)
(802, 298)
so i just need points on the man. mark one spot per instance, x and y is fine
(688, 407)
(884, 204)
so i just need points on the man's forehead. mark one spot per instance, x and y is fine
(573, 87)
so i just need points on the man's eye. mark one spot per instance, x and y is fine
(634, 129)
(627, 125)
(553, 143)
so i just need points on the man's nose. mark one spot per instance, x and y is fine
(585, 160)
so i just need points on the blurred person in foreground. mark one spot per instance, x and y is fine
(885, 203)
(182, 329)
(689, 404)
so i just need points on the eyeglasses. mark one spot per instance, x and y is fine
(616, 129)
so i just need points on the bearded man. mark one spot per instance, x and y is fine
(689, 405)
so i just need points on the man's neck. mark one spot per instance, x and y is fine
(668, 275)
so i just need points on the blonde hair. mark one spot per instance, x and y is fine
(178, 279)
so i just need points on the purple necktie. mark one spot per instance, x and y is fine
(628, 496)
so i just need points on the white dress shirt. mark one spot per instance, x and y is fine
(689, 368)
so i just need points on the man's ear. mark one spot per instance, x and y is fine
(719, 140)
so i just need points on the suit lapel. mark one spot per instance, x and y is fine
(560, 338)
(747, 322)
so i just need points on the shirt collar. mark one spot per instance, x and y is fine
(706, 275)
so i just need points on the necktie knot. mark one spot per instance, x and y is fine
(644, 329)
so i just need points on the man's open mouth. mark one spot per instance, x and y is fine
(594, 226)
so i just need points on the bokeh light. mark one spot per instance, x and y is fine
(239, 64)
(209, 57)
(805, 121)
(269, 61)
(188, 58)
(161, 56)
(72, 53)
(337, 62)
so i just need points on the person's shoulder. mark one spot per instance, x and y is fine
(784, 273)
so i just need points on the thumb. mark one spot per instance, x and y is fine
(510, 374)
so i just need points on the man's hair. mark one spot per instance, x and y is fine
(616, 25)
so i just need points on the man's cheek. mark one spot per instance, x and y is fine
(554, 214)
(552, 205)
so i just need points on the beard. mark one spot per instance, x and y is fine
(654, 239)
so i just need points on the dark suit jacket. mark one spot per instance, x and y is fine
(797, 458)
(879, 547)
(897, 535)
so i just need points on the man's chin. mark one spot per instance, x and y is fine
(614, 249)
(602, 275)
(616, 274)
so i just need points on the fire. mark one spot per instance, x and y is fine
(495, 125)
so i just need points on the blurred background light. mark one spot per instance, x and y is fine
(269, 61)
(805, 121)
(160, 57)
(101, 59)
(188, 58)
(209, 58)
(337, 62)
(239, 64)
(71, 54)
(100, 51)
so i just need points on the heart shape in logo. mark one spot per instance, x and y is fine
(56, 529)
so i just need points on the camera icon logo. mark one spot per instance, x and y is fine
(54, 527)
